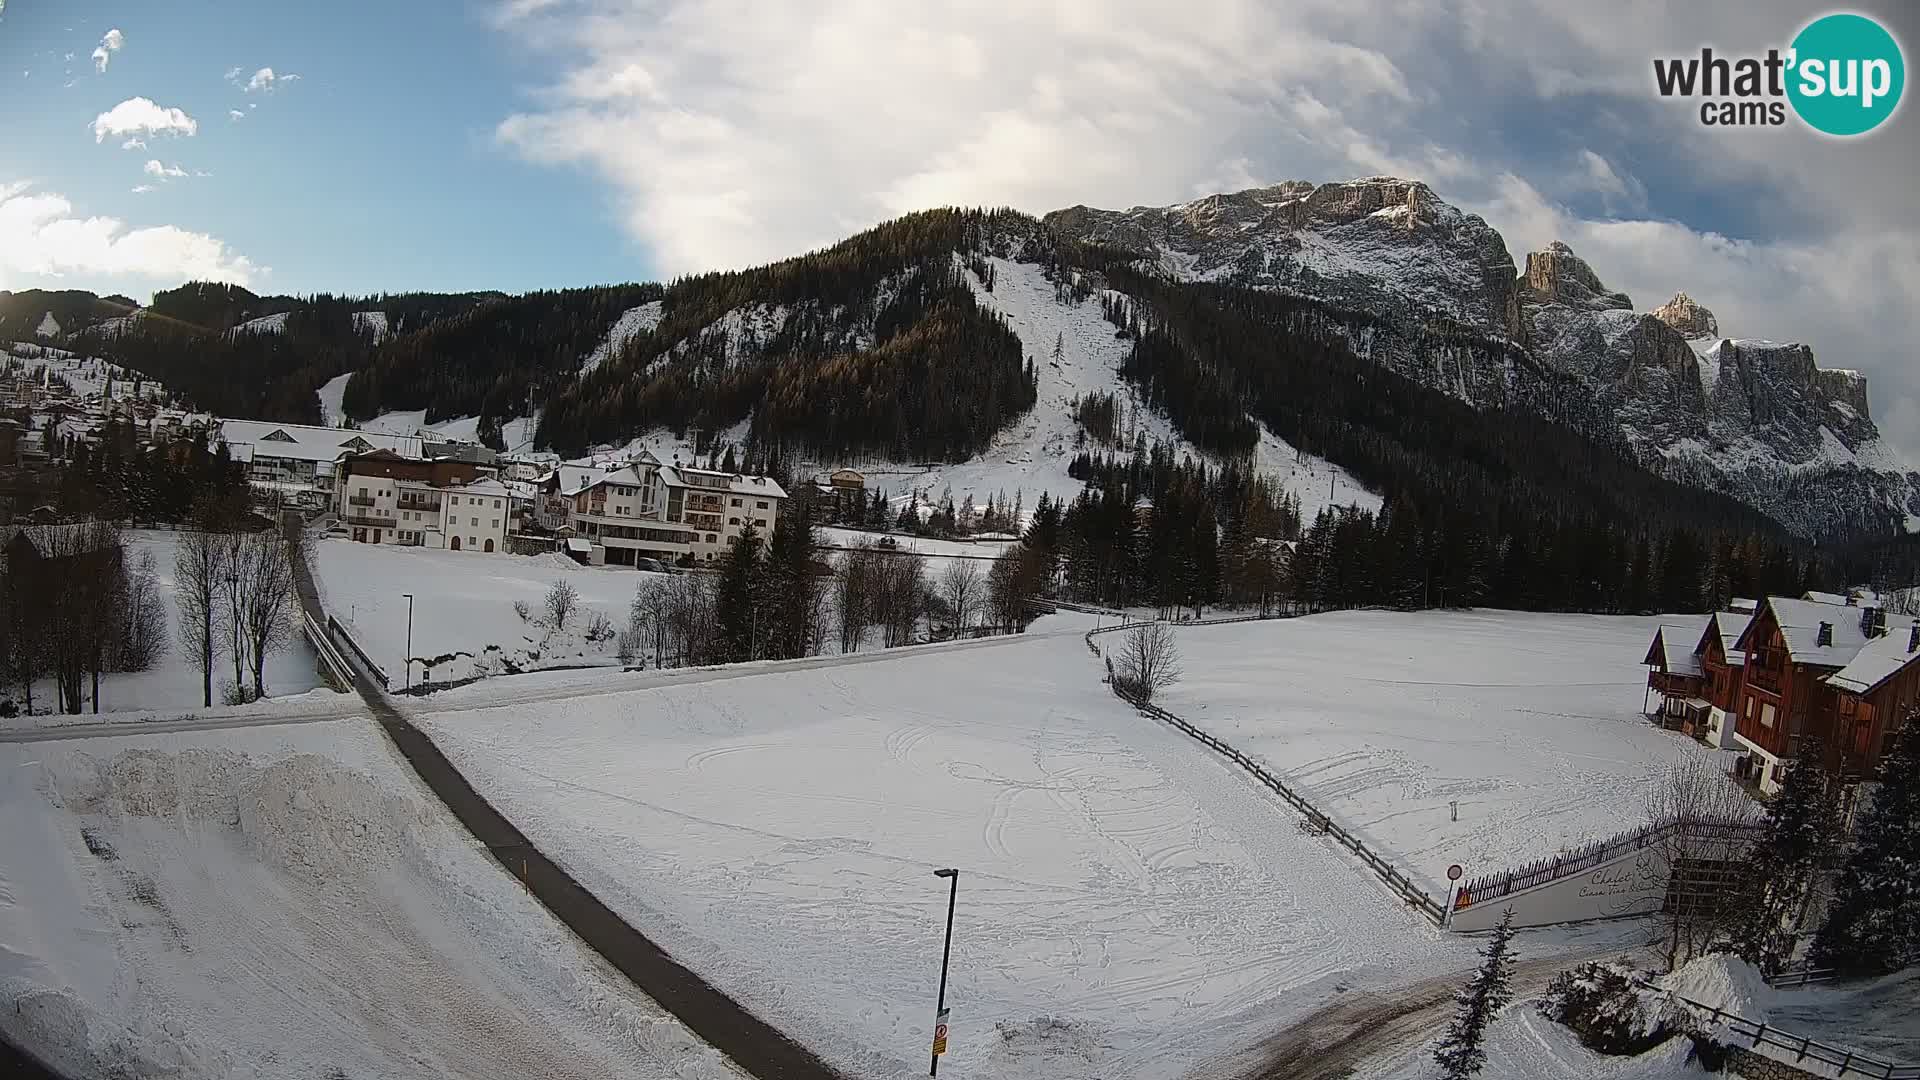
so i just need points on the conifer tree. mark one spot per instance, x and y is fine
(736, 605)
(1873, 924)
(1462, 1051)
(1783, 867)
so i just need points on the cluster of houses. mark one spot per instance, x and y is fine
(415, 492)
(1772, 677)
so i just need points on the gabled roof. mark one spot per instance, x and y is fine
(305, 442)
(1823, 597)
(1672, 651)
(1877, 661)
(1728, 626)
(762, 487)
(484, 486)
(1799, 622)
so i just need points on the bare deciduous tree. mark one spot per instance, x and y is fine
(143, 616)
(561, 601)
(960, 586)
(266, 612)
(853, 583)
(899, 597)
(1706, 810)
(1149, 661)
(199, 565)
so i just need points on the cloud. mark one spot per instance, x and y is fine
(103, 53)
(236, 114)
(262, 81)
(139, 116)
(41, 237)
(164, 172)
(142, 189)
(736, 135)
(135, 143)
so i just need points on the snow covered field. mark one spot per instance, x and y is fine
(173, 684)
(1530, 722)
(1129, 906)
(288, 902)
(463, 617)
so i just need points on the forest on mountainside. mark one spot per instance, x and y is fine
(874, 344)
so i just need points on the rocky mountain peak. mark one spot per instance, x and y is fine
(1378, 243)
(1558, 276)
(1689, 318)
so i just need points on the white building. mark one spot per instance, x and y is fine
(647, 510)
(294, 463)
(383, 498)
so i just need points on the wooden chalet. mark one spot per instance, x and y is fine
(1869, 699)
(1674, 673)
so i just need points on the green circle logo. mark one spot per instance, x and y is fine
(1847, 74)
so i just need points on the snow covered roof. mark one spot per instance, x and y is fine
(1800, 622)
(580, 545)
(484, 486)
(707, 479)
(1878, 660)
(1823, 597)
(1673, 649)
(305, 442)
(1730, 625)
(570, 479)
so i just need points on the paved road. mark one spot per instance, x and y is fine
(753, 1044)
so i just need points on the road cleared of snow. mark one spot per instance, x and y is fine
(288, 902)
(1128, 903)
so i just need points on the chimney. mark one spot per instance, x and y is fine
(1825, 636)
(1852, 599)
(1873, 622)
(1913, 636)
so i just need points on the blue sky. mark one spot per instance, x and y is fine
(519, 144)
(375, 170)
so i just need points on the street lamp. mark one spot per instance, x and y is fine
(946, 954)
(409, 675)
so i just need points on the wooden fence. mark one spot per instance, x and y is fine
(1588, 856)
(1757, 1034)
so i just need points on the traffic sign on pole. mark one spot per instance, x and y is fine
(940, 1033)
(1454, 872)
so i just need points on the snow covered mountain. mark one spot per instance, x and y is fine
(1757, 420)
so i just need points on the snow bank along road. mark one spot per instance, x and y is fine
(288, 901)
(754, 1045)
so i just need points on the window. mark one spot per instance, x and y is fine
(454, 499)
(733, 521)
(710, 539)
(736, 502)
(1749, 708)
(496, 523)
(1766, 716)
(475, 522)
(761, 522)
(761, 505)
(496, 503)
(471, 541)
(362, 492)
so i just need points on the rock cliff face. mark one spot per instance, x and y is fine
(1380, 244)
(1758, 420)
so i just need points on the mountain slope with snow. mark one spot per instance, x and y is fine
(1442, 304)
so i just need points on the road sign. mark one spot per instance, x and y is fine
(940, 1033)
(1454, 872)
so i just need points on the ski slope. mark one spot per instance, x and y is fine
(288, 902)
(1530, 722)
(1129, 906)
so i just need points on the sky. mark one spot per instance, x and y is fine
(520, 144)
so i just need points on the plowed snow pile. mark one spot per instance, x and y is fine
(287, 903)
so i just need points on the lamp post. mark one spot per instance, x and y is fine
(946, 954)
(409, 675)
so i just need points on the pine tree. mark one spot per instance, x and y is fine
(736, 608)
(1782, 868)
(1462, 1051)
(1873, 925)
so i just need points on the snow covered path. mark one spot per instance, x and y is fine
(288, 902)
(1129, 905)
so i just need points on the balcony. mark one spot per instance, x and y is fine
(360, 500)
(378, 521)
(418, 504)
(1767, 679)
